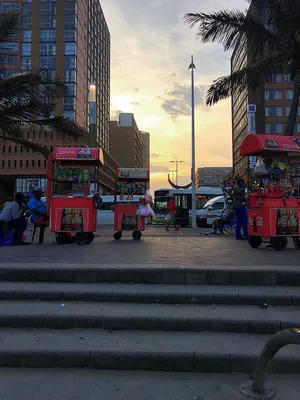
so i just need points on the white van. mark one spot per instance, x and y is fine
(212, 210)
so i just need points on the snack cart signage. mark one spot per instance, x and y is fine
(129, 222)
(285, 221)
(258, 144)
(78, 153)
(133, 173)
(71, 219)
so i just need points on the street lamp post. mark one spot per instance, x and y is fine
(177, 162)
(92, 115)
(192, 68)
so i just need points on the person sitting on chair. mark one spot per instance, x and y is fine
(12, 217)
(37, 207)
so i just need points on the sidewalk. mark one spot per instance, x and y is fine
(157, 246)
(132, 385)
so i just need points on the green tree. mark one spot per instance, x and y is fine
(28, 100)
(270, 31)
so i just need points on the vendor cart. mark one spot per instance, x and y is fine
(129, 182)
(72, 196)
(273, 208)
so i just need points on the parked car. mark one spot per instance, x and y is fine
(212, 209)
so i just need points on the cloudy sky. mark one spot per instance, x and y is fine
(151, 49)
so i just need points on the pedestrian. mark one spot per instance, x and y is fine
(12, 216)
(240, 208)
(37, 207)
(172, 213)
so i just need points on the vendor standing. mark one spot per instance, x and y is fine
(240, 208)
(37, 207)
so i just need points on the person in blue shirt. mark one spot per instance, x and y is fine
(37, 207)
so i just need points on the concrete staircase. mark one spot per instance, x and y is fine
(146, 317)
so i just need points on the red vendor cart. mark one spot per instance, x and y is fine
(273, 208)
(72, 175)
(129, 182)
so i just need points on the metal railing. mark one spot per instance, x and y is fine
(256, 387)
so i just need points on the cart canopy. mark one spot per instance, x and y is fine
(79, 154)
(261, 144)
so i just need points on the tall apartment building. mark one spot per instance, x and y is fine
(126, 142)
(211, 176)
(70, 39)
(146, 148)
(272, 99)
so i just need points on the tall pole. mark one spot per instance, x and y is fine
(176, 171)
(192, 68)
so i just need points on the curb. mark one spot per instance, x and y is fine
(178, 276)
(143, 323)
(150, 297)
(147, 361)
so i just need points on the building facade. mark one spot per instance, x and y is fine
(146, 148)
(126, 142)
(272, 98)
(70, 40)
(211, 176)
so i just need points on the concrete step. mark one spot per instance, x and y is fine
(152, 317)
(147, 293)
(140, 350)
(239, 275)
(71, 384)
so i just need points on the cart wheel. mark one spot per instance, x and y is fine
(117, 235)
(279, 244)
(91, 237)
(81, 238)
(136, 235)
(64, 238)
(297, 243)
(255, 241)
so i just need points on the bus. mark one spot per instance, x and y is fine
(183, 201)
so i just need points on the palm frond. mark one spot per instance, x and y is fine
(230, 28)
(8, 26)
(36, 148)
(60, 127)
(245, 78)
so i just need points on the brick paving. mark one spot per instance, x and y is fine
(157, 246)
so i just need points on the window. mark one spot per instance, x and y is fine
(69, 103)
(287, 111)
(70, 89)
(47, 62)
(6, 59)
(48, 35)
(26, 35)
(273, 111)
(21, 163)
(70, 75)
(25, 63)
(48, 49)
(48, 21)
(297, 127)
(70, 35)
(9, 6)
(26, 21)
(48, 7)
(273, 94)
(9, 46)
(70, 7)
(274, 128)
(288, 77)
(70, 49)
(70, 21)
(274, 78)
(26, 49)
(70, 62)
(70, 115)
(27, 9)
(289, 94)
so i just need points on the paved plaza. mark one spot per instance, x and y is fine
(157, 246)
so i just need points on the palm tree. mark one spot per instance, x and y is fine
(28, 100)
(270, 31)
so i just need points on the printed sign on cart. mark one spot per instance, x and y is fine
(285, 221)
(71, 219)
(129, 222)
(133, 173)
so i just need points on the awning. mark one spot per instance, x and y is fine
(79, 154)
(260, 144)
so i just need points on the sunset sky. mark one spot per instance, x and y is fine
(151, 49)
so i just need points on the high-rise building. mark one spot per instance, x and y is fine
(70, 39)
(146, 146)
(126, 142)
(211, 176)
(272, 99)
